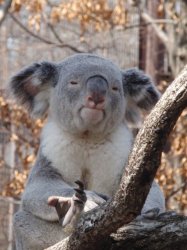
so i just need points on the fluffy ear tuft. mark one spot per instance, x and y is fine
(31, 86)
(140, 92)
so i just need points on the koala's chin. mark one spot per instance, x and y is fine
(91, 116)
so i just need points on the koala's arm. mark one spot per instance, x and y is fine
(44, 182)
(36, 195)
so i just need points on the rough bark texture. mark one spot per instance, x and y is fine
(94, 227)
(164, 233)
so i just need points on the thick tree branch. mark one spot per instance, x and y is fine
(166, 232)
(94, 227)
(145, 233)
(4, 10)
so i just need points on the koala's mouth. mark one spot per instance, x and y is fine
(92, 115)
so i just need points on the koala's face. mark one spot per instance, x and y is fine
(84, 93)
(88, 96)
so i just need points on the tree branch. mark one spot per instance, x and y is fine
(152, 21)
(160, 33)
(4, 10)
(54, 32)
(166, 232)
(10, 200)
(94, 227)
(145, 233)
(184, 185)
(45, 40)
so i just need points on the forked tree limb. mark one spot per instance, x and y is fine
(94, 228)
(163, 233)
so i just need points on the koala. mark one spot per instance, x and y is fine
(89, 101)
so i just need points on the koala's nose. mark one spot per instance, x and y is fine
(96, 91)
(95, 98)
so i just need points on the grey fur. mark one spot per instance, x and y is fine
(90, 100)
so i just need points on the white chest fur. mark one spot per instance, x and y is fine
(99, 164)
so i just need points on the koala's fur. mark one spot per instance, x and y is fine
(86, 137)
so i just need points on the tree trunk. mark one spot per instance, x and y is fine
(94, 228)
(154, 47)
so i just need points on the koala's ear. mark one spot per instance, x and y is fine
(31, 86)
(140, 92)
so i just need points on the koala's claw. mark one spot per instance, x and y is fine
(69, 209)
(79, 195)
(79, 191)
(80, 185)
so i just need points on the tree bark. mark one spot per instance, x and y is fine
(166, 232)
(94, 228)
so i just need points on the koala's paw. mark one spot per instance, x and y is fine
(69, 209)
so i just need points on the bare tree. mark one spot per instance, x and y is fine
(174, 37)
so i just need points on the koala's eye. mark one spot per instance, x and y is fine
(73, 83)
(114, 88)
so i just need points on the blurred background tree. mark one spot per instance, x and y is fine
(151, 35)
